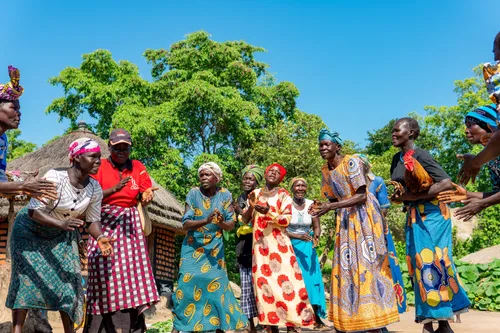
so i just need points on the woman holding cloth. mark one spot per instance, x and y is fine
(279, 287)
(204, 300)
(362, 297)
(46, 270)
(304, 232)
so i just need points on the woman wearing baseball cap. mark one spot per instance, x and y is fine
(122, 286)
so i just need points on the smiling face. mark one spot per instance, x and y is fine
(299, 189)
(207, 179)
(89, 162)
(328, 149)
(273, 176)
(401, 134)
(249, 182)
(120, 152)
(10, 115)
(474, 132)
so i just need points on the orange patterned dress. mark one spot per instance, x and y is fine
(278, 284)
(362, 296)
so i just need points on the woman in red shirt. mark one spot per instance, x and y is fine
(121, 286)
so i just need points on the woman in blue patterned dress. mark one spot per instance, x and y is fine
(438, 293)
(204, 300)
(379, 190)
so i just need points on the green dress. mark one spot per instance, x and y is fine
(204, 300)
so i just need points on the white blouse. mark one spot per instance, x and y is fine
(301, 220)
(78, 203)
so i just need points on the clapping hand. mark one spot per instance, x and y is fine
(459, 194)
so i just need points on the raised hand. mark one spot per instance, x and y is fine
(39, 188)
(456, 195)
(469, 169)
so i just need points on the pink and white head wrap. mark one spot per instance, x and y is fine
(82, 146)
(213, 168)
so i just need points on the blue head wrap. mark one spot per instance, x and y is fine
(486, 114)
(325, 134)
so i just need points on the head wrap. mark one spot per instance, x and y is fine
(364, 159)
(213, 168)
(12, 90)
(484, 116)
(255, 170)
(334, 137)
(82, 146)
(282, 170)
(296, 179)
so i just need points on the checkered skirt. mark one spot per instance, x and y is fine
(247, 300)
(124, 280)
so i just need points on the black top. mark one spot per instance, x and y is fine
(425, 159)
(244, 245)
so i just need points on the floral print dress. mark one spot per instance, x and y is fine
(279, 287)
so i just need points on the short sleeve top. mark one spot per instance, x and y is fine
(425, 159)
(72, 202)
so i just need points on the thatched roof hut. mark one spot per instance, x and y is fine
(165, 211)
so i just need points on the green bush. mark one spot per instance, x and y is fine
(162, 327)
(482, 284)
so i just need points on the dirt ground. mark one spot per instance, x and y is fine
(472, 322)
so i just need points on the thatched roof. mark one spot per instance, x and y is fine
(164, 211)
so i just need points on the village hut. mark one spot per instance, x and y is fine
(165, 211)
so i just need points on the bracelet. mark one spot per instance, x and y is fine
(101, 236)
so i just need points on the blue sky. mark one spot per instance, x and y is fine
(357, 64)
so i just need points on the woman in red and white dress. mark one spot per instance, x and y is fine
(278, 284)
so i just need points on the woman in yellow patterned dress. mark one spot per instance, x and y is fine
(204, 300)
(280, 291)
(362, 297)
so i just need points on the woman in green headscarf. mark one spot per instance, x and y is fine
(252, 176)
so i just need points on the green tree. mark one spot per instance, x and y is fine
(17, 147)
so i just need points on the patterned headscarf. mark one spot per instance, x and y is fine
(255, 170)
(82, 146)
(367, 164)
(484, 116)
(282, 170)
(12, 90)
(213, 168)
(325, 134)
(296, 179)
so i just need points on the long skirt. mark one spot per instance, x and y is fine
(397, 277)
(124, 280)
(362, 295)
(438, 292)
(247, 299)
(311, 272)
(46, 272)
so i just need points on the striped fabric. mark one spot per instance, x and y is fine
(71, 201)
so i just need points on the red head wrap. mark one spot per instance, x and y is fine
(282, 170)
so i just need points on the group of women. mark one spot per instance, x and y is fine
(278, 231)
(45, 243)
(277, 234)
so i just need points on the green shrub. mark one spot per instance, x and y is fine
(162, 327)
